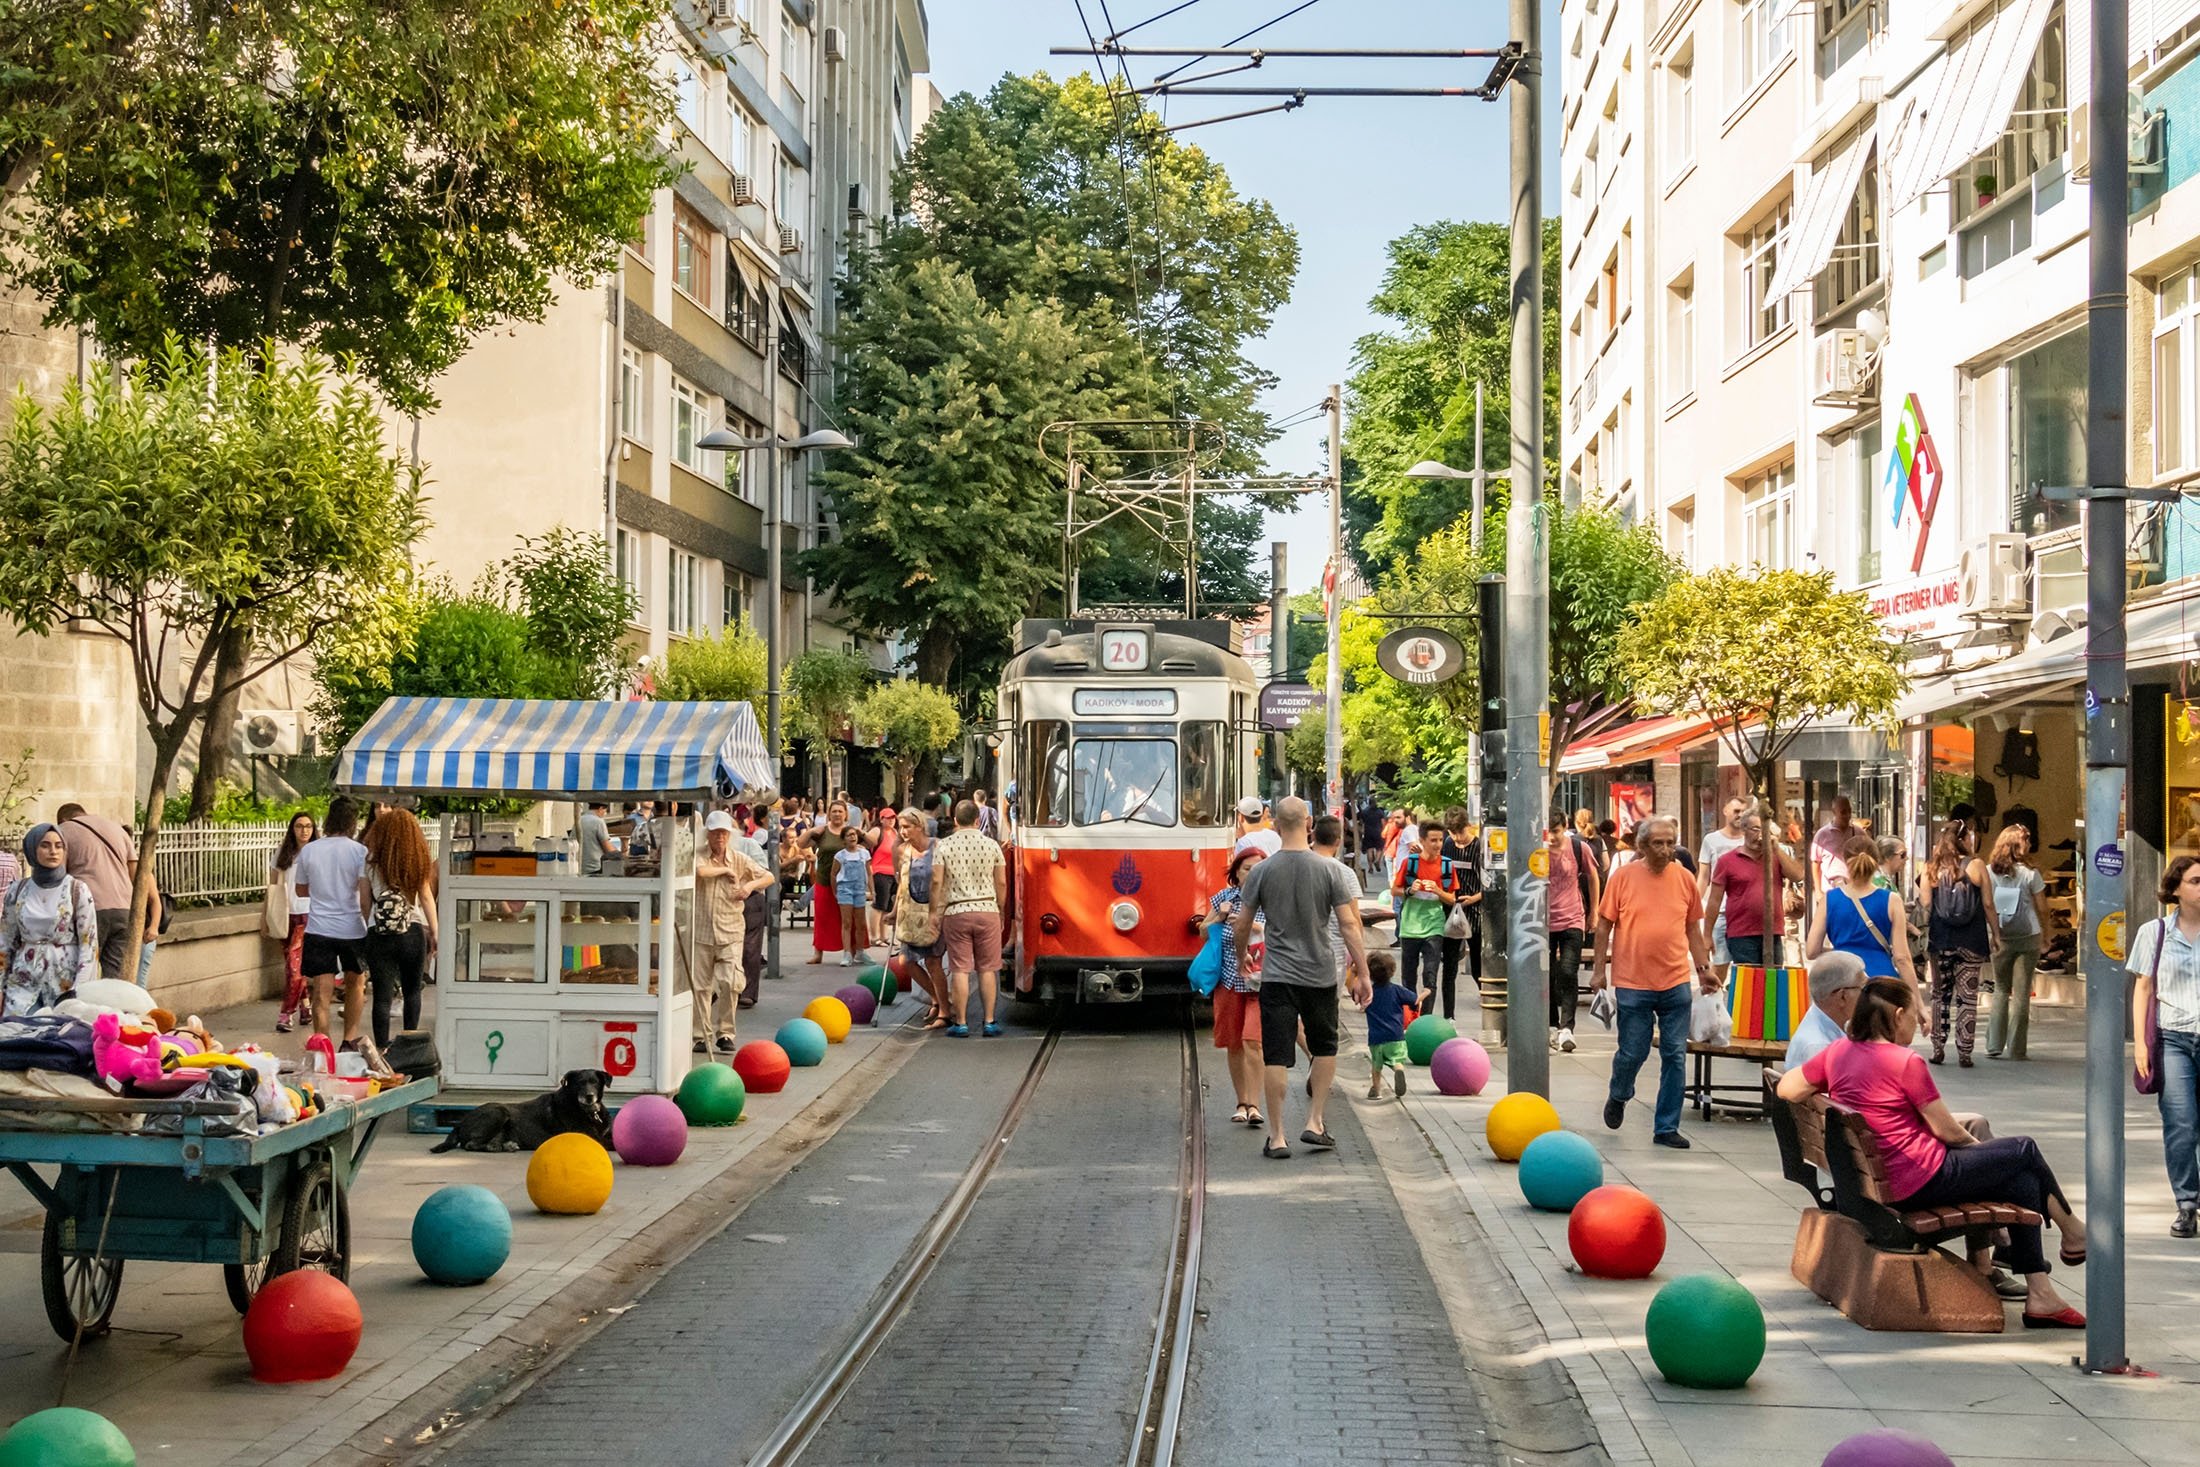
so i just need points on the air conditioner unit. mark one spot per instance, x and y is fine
(743, 189)
(1844, 366)
(834, 40)
(790, 240)
(2144, 125)
(722, 12)
(1993, 579)
(268, 731)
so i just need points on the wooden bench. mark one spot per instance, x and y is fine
(1704, 1095)
(1882, 1265)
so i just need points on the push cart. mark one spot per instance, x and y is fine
(256, 1205)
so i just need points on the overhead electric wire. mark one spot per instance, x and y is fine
(1115, 38)
(1239, 40)
(1130, 219)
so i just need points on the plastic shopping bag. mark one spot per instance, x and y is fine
(1207, 967)
(1603, 1007)
(1709, 1022)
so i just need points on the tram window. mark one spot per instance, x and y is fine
(1045, 785)
(1207, 769)
(1123, 779)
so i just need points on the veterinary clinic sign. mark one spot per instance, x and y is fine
(1927, 606)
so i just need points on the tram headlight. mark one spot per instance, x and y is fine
(1124, 915)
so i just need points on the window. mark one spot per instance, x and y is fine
(689, 88)
(1119, 780)
(2047, 406)
(629, 554)
(1608, 299)
(1854, 266)
(740, 138)
(743, 467)
(690, 421)
(1045, 787)
(691, 254)
(1768, 519)
(683, 594)
(1206, 784)
(1764, 315)
(633, 396)
(1856, 468)
(737, 597)
(1680, 534)
(1680, 110)
(2176, 307)
(1680, 338)
(1845, 31)
(793, 70)
(745, 316)
(1764, 39)
(2037, 135)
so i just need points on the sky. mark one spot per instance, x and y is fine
(1348, 173)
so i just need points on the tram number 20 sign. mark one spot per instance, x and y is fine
(1124, 651)
(1423, 656)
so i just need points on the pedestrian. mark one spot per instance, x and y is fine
(1894, 862)
(49, 928)
(2020, 916)
(884, 833)
(725, 879)
(101, 856)
(1960, 938)
(852, 893)
(989, 822)
(1735, 897)
(331, 874)
(1371, 833)
(401, 928)
(1462, 930)
(593, 835)
(641, 835)
(971, 901)
(756, 911)
(1855, 916)
(1293, 893)
(1574, 892)
(1237, 995)
(1607, 847)
(1716, 843)
(1247, 816)
(292, 909)
(1394, 825)
(916, 922)
(820, 845)
(1649, 944)
(1829, 847)
(1426, 888)
(2165, 954)
(1386, 1007)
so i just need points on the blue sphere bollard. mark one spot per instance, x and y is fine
(461, 1235)
(1559, 1169)
(804, 1041)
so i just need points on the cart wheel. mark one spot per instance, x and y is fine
(243, 1280)
(316, 1231)
(80, 1292)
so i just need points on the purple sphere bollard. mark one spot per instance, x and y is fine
(862, 1003)
(1887, 1448)
(1460, 1066)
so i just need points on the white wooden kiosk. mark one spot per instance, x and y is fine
(542, 970)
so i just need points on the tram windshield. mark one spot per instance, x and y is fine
(1123, 780)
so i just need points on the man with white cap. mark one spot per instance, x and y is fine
(724, 878)
(1249, 815)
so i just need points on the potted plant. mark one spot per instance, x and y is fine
(1984, 184)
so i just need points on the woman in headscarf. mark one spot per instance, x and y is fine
(49, 928)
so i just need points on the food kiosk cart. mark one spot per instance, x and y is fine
(540, 969)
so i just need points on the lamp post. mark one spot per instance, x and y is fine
(720, 440)
(1429, 468)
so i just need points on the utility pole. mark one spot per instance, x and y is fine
(1474, 539)
(1333, 690)
(772, 644)
(1279, 611)
(1527, 590)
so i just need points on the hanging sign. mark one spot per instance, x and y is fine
(1423, 656)
(1283, 706)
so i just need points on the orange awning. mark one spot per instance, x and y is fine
(1635, 743)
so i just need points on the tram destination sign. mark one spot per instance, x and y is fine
(1283, 706)
(1423, 656)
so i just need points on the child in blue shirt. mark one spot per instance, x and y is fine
(852, 890)
(1386, 1025)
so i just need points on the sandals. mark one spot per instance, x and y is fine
(2070, 1259)
(1237, 1117)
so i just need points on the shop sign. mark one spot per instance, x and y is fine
(1283, 706)
(1423, 656)
(1914, 476)
(1925, 607)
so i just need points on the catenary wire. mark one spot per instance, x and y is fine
(1235, 40)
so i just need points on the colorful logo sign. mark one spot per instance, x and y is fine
(1913, 475)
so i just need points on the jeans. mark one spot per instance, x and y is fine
(2007, 1169)
(1749, 952)
(1420, 960)
(394, 962)
(145, 963)
(1667, 1009)
(2014, 966)
(2180, 1101)
(1472, 943)
(1565, 976)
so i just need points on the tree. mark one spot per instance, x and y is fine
(160, 504)
(575, 609)
(1411, 394)
(1760, 655)
(726, 668)
(821, 688)
(912, 721)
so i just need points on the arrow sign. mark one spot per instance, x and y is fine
(1284, 705)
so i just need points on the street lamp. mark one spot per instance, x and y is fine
(723, 441)
(1429, 468)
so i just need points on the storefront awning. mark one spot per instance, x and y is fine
(2157, 634)
(1966, 98)
(1818, 223)
(1644, 739)
(550, 749)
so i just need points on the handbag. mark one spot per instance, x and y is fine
(275, 907)
(2150, 1022)
(1206, 971)
(914, 923)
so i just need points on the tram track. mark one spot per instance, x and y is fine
(1160, 1403)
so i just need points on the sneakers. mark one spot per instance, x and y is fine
(725, 1044)
(1565, 1041)
(1673, 1139)
(702, 1046)
(2187, 1224)
(991, 1030)
(284, 1023)
(1615, 1111)
(1398, 1081)
(842, 960)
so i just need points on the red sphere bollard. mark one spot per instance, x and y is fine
(763, 1067)
(303, 1325)
(1616, 1232)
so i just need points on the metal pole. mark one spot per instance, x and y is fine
(2107, 692)
(1527, 591)
(1279, 612)
(1489, 721)
(1333, 688)
(1474, 539)
(771, 624)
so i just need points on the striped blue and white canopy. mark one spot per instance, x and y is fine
(519, 747)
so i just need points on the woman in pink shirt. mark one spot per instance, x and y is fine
(1931, 1160)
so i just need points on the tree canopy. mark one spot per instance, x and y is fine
(912, 721)
(727, 667)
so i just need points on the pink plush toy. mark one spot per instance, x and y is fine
(135, 1056)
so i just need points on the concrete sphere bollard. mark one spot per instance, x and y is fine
(1516, 1120)
(1460, 1066)
(862, 1002)
(763, 1067)
(569, 1174)
(1559, 1169)
(1424, 1034)
(711, 1095)
(650, 1130)
(303, 1325)
(1887, 1447)
(63, 1436)
(461, 1235)
(1706, 1331)
(803, 1041)
(1616, 1233)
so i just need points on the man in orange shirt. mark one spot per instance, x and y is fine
(1650, 935)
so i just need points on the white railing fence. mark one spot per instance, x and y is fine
(205, 865)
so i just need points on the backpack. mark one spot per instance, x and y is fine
(1955, 903)
(392, 912)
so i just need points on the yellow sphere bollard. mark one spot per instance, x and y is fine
(569, 1173)
(831, 1015)
(1515, 1121)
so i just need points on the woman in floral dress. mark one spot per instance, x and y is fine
(49, 929)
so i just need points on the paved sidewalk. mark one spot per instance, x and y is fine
(173, 1374)
(1986, 1399)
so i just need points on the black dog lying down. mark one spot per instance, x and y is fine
(576, 1105)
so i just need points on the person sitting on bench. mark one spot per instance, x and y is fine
(1931, 1160)
(1836, 978)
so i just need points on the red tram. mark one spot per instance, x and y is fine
(1129, 743)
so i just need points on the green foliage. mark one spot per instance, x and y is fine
(821, 688)
(452, 647)
(727, 667)
(18, 786)
(1438, 785)
(575, 608)
(911, 721)
(1762, 654)
(1304, 749)
(1019, 289)
(382, 181)
(1411, 395)
(235, 806)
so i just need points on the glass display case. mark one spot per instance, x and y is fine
(498, 941)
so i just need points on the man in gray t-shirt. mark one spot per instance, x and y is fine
(1295, 893)
(594, 837)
